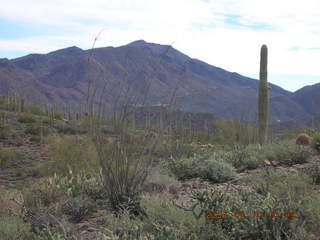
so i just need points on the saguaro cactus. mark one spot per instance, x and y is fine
(263, 96)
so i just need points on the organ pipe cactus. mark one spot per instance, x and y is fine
(263, 96)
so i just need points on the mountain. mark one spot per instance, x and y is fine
(144, 73)
(309, 98)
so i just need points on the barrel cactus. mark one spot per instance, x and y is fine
(303, 139)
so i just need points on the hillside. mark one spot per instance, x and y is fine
(55, 183)
(309, 98)
(143, 71)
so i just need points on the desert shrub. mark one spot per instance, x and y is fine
(290, 133)
(37, 130)
(27, 118)
(35, 139)
(32, 130)
(217, 170)
(36, 110)
(227, 131)
(176, 148)
(125, 165)
(234, 132)
(67, 153)
(184, 168)
(314, 172)
(5, 131)
(94, 188)
(316, 143)
(291, 188)
(122, 226)
(42, 195)
(77, 208)
(281, 184)
(70, 129)
(10, 158)
(8, 206)
(18, 140)
(57, 115)
(287, 152)
(53, 233)
(160, 180)
(152, 187)
(247, 215)
(250, 157)
(76, 184)
(311, 213)
(46, 121)
(13, 227)
(159, 174)
(53, 188)
(166, 221)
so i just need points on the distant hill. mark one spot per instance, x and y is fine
(309, 98)
(147, 73)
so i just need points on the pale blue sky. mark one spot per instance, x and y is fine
(224, 33)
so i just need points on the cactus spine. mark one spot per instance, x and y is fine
(263, 96)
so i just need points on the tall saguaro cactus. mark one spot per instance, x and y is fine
(263, 96)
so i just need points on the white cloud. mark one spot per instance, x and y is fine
(199, 29)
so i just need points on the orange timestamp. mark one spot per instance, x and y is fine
(257, 214)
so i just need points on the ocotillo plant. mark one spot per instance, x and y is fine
(263, 96)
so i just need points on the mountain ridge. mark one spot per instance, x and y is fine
(160, 71)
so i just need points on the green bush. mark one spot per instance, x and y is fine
(316, 143)
(77, 208)
(27, 118)
(184, 168)
(250, 157)
(57, 115)
(291, 189)
(314, 172)
(217, 170)
(46, 121)
(37, 130)
(36, 110)
(10, 158)
(70, 129)
(247, 215)
(41, 195)
(176, 148)
(95, 189)
(5, 131)
(287, 152)
(166, 221)
(54, 188)
(14, 228)
(281, 184)
(68, 153)
(235, 132)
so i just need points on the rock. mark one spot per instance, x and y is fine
(267, 162)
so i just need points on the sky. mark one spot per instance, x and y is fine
(224, 33)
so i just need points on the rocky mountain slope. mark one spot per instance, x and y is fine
(146, 73)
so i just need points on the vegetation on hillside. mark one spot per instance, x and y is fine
(66, 178)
